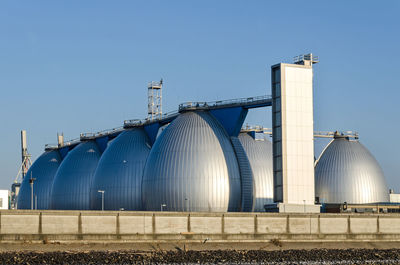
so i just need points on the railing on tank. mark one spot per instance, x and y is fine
(83, 137)
(141, 122)
(331, 134)
(89, 136)
(317, 134)
(222, 103)
(164, 117)
(257, 129)
(49, 147)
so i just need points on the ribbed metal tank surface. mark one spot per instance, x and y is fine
(192, 167)
(72, 182)
(120, 172)
(347, 172)
(246, 176)
(43, 171)
(259, 153)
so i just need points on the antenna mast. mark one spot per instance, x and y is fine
(25, 157)
(154, 91)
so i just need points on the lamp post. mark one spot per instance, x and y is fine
(187, 204)
(31, 180)
(102, 199)
(163, 205)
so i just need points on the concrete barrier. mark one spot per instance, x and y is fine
(70, 226)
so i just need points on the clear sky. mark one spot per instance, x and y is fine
(83, 66)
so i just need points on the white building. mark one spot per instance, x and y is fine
(293, 132)
(394, 197)
(4, 197)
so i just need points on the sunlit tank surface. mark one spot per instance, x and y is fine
(192, 167)
(347, 172)
(120, 171)
(259, 153)
(72, 182)
(42, 171)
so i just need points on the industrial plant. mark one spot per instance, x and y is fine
(201, 158)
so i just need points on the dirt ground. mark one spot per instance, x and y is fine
(146, 247)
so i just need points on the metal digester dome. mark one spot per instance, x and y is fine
(192, 167)
(43, 171)
(347, 172)
(72, 182)
(120, 171)
(259, 153)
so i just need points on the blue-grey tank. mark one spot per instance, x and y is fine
(347, 172)
(259, 153)
(120, 171)
(192, 167)
(72, 182)
(43, 171)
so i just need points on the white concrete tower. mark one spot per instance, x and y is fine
(293, 145)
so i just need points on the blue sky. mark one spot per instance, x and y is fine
(83, 66)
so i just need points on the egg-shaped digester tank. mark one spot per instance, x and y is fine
(120, 171)
(72, 182)
(42, 171)
(259, 153)
(347, 172)
(192, 167)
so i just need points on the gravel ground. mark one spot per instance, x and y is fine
(180, 256)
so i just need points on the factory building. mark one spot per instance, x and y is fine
(200, 159)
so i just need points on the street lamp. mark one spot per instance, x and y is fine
(163, 205)
(102, 199)
(187, 204)
(31, 180)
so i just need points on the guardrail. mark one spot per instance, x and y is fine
(141, 122)
(49, 147)
(317, 134)
(331, 134)
(165, 116)
(87, 136)
(221, 103)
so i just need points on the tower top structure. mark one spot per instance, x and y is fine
(306, 59)
(154, 91)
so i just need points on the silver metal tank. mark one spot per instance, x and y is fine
(43, 171)
(259, 153)
(72, 182)
(120, 171)
(347, 172)
(192, 167)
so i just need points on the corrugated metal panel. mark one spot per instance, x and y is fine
(246, 176)
(192, 167)
(120, 172)
(72, 182)
(259, 153)
(347, 172)
(43, 170)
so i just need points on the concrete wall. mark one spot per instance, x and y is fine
(171, 226)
